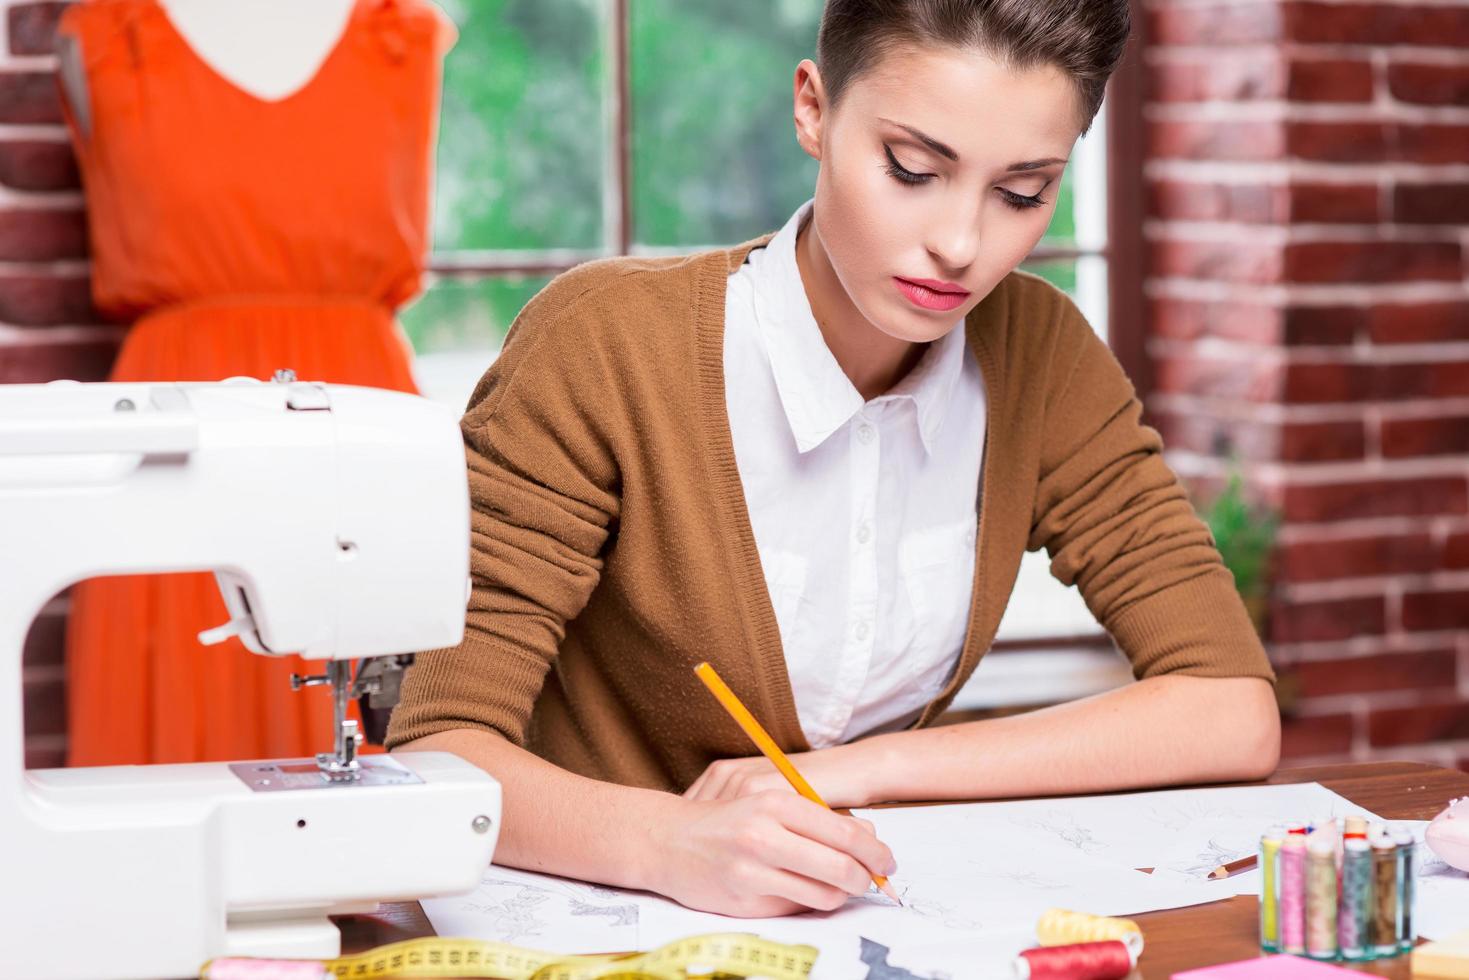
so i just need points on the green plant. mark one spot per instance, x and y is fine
(1245, 536)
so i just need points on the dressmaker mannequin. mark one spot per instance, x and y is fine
(267, 48)
(258, 176)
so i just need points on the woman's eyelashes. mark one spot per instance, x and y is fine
(1021, 202)
(900, 173)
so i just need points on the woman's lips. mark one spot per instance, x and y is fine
(930, 294)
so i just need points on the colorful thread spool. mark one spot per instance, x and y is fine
(1111, 959)
(1321, 913)
(1384, 934)
(1058, 927)
(1402, 838)
(1293, 894)
(1354, 915)
(1270, 843)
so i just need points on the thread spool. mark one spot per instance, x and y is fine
(1321, 890)
(1111, 959)
(1407, 877)
(1384, 932)
(1270, 843)
(1293, 894)
(243, 968)
(1059, 927)
(1355, 910)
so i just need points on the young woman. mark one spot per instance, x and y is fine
(815, 461)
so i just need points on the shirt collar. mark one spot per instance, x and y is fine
(815, 393)
(931, 383)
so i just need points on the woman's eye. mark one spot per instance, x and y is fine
(1021, 202)
(897, 171)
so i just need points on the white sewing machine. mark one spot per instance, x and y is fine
(336, 520)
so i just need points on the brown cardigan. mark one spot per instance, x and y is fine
(612, 550)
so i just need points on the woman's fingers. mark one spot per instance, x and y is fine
(711, 782)
(807, 892)
(836, 831)
(695, 790)
(813, 861)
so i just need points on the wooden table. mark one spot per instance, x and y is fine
(1178, 939)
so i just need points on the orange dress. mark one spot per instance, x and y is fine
(239, 235)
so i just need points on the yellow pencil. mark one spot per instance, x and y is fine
(767, 745)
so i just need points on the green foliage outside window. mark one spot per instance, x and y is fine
(522, 126)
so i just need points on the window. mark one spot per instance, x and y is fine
(575, 129)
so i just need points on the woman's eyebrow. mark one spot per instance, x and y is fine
(941, 149)
(944, 150)
(1032, 165)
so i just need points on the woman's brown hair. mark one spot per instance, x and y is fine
(1084, 38)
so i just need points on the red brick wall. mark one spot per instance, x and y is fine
(1307, 227)
(47, 327)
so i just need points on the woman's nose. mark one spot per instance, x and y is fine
(954, 239)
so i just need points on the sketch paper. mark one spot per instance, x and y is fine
(541, 912)
(1182, 833)
(1187, 832)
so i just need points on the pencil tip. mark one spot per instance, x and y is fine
(887, 889)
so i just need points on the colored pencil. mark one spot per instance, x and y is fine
(771, 751)
(1234, 867)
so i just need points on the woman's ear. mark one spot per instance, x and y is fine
(810, 107)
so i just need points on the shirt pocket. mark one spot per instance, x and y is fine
(937, 568)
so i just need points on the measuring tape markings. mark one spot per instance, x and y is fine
(728, 954)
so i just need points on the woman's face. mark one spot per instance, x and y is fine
(939, 173)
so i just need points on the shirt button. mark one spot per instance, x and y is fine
(862, 631)
(865, 433)
(864, 534)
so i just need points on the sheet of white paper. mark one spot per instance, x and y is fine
(973, 863)
(541, 912)
(1182, 833)
(1443, 904)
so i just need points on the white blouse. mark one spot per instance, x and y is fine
(864, 513)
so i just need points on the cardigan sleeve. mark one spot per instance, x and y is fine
(544, 496)
(1118, 524)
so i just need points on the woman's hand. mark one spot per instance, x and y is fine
(773, 853)
(839, 775)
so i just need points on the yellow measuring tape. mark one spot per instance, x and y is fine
(724, 954)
